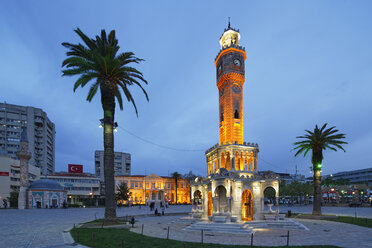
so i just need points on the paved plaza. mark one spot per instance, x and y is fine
(44, 227)
(33, 228)
(320, 233)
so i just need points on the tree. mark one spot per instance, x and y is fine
(317, 141)
(176, 176)
(98, 60)
(328, 182)
(122, 192)
(13, 199)
(190, 176)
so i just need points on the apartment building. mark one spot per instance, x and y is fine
(122, 164)
(40, 134)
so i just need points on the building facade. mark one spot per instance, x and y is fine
(122, 164)
(286, 177)
(10, 176)
(153, 188)
(233, 191)
(81, 189)
(363, 176)
(45, 193)
(41, 134)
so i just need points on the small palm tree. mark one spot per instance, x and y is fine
(317, 141)
(98, 60)
(176, 176)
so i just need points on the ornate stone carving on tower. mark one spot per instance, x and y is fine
(24, 156)
(232, 191)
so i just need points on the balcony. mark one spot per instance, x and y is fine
(39, 119)
(38, 145)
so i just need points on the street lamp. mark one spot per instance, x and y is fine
(102, 123)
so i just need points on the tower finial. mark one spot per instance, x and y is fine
(229, 23)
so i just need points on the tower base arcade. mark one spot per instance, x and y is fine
(232, 196)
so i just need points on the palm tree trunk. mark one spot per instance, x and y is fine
(176, 181)
(108, 105)
(317, 205)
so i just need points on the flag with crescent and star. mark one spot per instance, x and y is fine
(75, 168)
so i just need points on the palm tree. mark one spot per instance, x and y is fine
(176, 176)
(98, 60)
(317, 141)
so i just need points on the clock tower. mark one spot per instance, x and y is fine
(230, 79)
(231, 152)
(232, 190)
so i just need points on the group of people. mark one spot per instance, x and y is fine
(162, 207)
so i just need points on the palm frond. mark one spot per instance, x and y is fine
(83, 80)
(92, 91)
(89, 42)
(120, 100)
(129, 97)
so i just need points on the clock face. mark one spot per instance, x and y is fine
(237, 62)
(236, 89)
(219, 69)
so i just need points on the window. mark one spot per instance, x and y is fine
(236, 114)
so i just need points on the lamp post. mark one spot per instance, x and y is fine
(91, 194)
(102, 123)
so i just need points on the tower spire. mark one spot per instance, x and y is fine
(229, 24)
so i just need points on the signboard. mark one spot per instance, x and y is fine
(75, 168)
(4, 173)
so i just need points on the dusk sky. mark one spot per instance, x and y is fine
(308, 62)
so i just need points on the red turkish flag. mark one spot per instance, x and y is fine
(75, 168)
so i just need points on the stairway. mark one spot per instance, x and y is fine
(271, 224)
(220, 227)
(247, 227)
